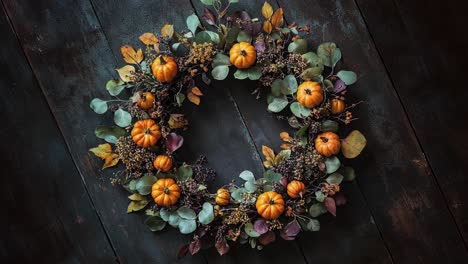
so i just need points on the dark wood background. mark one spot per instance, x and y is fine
(408, 204)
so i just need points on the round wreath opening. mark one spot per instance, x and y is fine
(301, 181)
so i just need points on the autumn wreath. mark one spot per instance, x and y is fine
(300, 182)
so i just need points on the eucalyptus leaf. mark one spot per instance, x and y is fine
(271, 176)
(184, 173)
(313, 225)
(241, 74)
(238, 194)
(277, 105)
(249, 230)
(208, 2)
(348, 77)
(220, 59)
(298, 46)
(276, 87)
(244, 37)
(336, 56)
(192, 23)
(115, 86)
(186, 213)
(247, 176)
(109, 133)
(329, 126)
(335, 178)
(143, 184)
(174, 219)
(180, 97)
(155, 223)
(250, 186)
(187, 226)
(311, 73)
(99, 106)
(348, 173)
(164, 214)
(206, 215)
(313, 60)
(122, 118)
(317, 209)
(319, 196)
(220, 72)
(332, 164)
(291, 84)
(254, 73)
(300, 111)
(325, 51)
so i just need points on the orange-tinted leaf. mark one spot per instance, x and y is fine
(104, 151)
(130, 55)
(353, 144)
(125, 73)
(196, 91)
(149, 39)
(267, 27)
(285, 146)
(285, 136)
(267, 10)
(167, 30)
(193, 98)
(277, 18)
(268, 153)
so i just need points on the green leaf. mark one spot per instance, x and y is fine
(155, 223)
(220, 72)
(206, 215)
(277, 105)
(201, 187)
(134, 206)
(109, 133)
(180, 97)
(348, 173)
(271, 176)
(186, 213)
(300, 111)
(174, 219)
(122, 118)
(254, 73)
(220, 59)
(250, 186)
(143, 184)
(326, 51)
(115, 86)
(232, 34)
(284, 154)
(298, 46)
(319, 196)
(241, 74)
(302, 131)
(131, 186)
(184, 173)
(208, 2)
(332, 164)
(187, 226)
(317, 209)
(244, 37)
(233, 1)
(328, 85)
(329, 126)
(206, 36)
(290, 86)
(249, 230)
(336, 56)
(164, 214)
(136, 197)
(313, 225)
(238, 194)
(193, 23)
(276, 87)
(311, 73)
(99, 106)
(313, 60)
(348, 77)
(335, 178)
(247, 176)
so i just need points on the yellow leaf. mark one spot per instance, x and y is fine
(285, 146)
(134, 206)
(285, 136)
(104, 151)
(196, 91)
(268, 153)
(277, 18)
(167, 30)
(136, 197)
(353, 144)
(126, 73)
(267, 164)
(149, 39)
(193, 98)
(267, 27)
(130, 55)
(267, 10)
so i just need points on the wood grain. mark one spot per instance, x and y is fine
(49, 217)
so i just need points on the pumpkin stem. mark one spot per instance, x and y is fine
(324, 139)
(166, 190)
(308, 91)
(271, 202)
(161, 60)
(243, 53)
(148, 131)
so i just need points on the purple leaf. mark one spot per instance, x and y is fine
(340, 199)
(339, 86)
(260, 226)
(284, 182)
(209, 17)
(183, 251)
(330, 205)
(242, 15)
(260, 46)
(267, 238)
(194, 247)
(286, 237)
(174, 142)
(252, 29)
(222, 246)
(292, 228)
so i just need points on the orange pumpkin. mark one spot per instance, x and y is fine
(165, 192)
(328, 144)
(270, 205)
(146, 101)
(242, 55)
(309, 94)
(146, 133)
(337, 106)
(222, 197)
(164, 68)
(296, 189)
(162, 163)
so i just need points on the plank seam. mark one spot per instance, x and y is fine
(36, 79)
(409, 121)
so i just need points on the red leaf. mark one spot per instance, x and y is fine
(194, 247)
(340, 199)
(267, 238)
(174, 142)
(209, 17)
(260, 226)
(284, 182)
(330, 205)
(222, 247)
(183, 251)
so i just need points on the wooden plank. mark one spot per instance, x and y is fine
(216, 128)
(49, 216)
(404, 198)
(72, 60)
(352, 235)
(430, 63)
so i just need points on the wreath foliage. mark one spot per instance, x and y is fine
(300, 182)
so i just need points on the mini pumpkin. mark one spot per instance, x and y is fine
(337, 106)
(164, 68)
(270, 205)
(165, 192)
(309, 94)
(328, 144)
(295, 189)
(222, 196)
(145, 133)
(162, 163)
(146, 101)
(242, 55)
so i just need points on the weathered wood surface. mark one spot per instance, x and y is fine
(395, 212)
